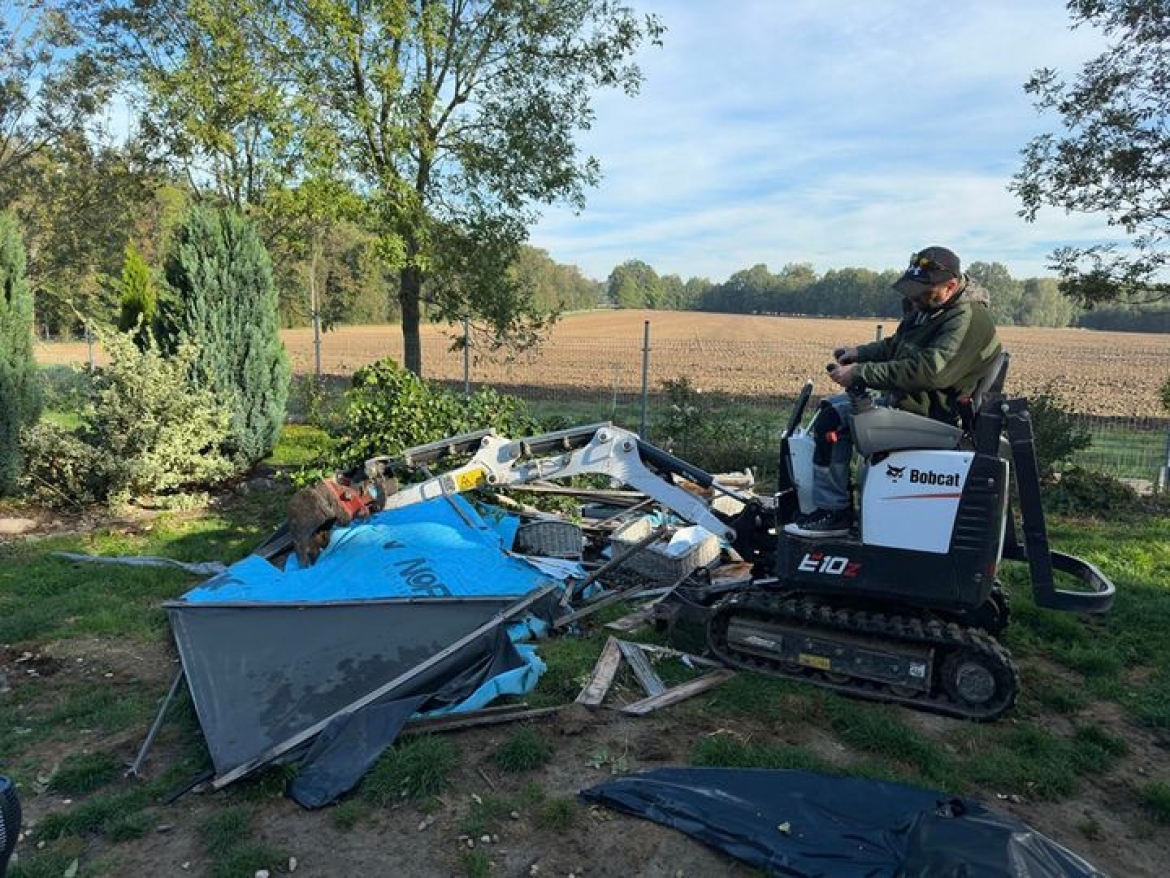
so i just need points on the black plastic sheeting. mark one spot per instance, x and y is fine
(344, 750)
(9, 821)
(795, 823)
(259, 674)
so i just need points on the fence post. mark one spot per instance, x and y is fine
(645, 378)
(466, 358)
(1163, 482)
(878, 335)
(316, 341)
(89, 345)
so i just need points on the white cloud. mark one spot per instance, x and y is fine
(838, 133)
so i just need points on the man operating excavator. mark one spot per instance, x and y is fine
(943, 345)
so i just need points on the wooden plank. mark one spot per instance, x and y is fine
(603, 674)
(666, 650)
(678, 693)
(590, 609)
(636, 619)
(642, 668)
(473, 719)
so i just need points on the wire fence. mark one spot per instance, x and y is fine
(726, 400)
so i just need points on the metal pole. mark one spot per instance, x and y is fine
(878, 337)
(645, 377)
(466, 358)
(317, 343)
(313, 305)
(1164, 470)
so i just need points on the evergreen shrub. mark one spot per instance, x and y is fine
(139, 298)
(20, 396)
(145, 430)
(224, 301)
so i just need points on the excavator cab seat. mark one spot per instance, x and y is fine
(879, 429)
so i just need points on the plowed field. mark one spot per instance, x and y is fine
(1094, 373)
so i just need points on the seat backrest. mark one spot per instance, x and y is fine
(992, 379)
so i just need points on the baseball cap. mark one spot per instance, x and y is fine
(928, 267)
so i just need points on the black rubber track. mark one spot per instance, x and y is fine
(950, 642)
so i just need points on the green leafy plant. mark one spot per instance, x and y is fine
(1056, 433)
(144, 430)
(1083, 492)
(684, 417)
(389, 409)
(139, 297)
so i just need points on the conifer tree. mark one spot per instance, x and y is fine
(20, 400)
(225, 302)
(139, 299)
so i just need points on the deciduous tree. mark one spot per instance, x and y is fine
(49, 88)
(1112, 156)
(634, 284)
(459, 117)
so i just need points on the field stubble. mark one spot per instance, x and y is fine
(1104, 374)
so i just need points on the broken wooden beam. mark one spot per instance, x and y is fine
(604, 671)
(643, 670)
(678, 693)
(472, 719)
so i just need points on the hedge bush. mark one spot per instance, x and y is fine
(145, 430)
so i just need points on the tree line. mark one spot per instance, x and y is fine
(863, 292)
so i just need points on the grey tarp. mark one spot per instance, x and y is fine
(260, 674)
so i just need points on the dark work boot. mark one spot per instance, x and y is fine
(822, 523)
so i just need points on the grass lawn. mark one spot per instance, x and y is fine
(85, 657)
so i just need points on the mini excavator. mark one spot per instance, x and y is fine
(905, 608)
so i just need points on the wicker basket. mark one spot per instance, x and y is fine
(655, 562)
(550, 539)
(727, 504)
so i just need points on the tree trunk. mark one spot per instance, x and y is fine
(408, 297)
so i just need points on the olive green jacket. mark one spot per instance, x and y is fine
(933, 358)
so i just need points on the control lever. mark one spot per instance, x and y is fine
(859, 397)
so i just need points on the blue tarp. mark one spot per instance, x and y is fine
(444, 548)
(441, 548)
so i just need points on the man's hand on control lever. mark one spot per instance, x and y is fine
(845, 356)
(841, 374)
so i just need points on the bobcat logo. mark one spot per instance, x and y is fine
(895, 473)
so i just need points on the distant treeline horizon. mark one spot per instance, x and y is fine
(798, 290)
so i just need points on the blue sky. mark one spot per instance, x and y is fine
(835, 132)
